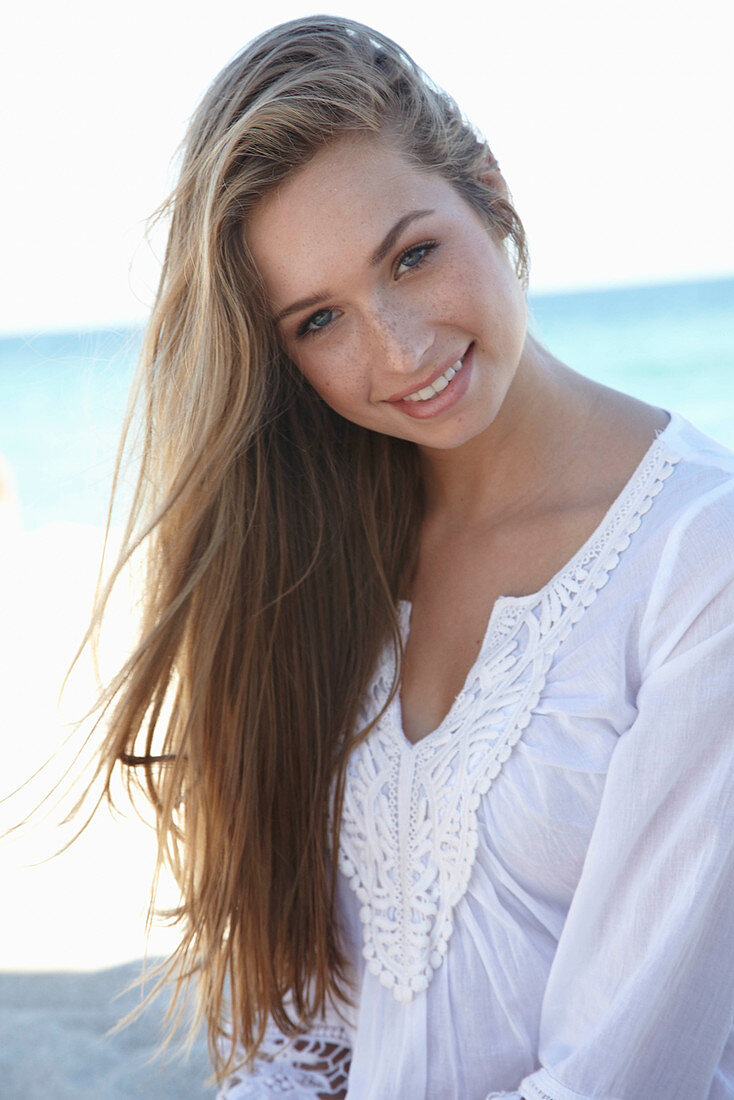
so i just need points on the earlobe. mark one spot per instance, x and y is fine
(491, 176)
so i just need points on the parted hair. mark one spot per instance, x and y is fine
(277, 538)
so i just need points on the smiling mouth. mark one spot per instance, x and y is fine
(437, 386)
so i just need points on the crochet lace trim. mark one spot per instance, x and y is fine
(309, 1066)
(409, 828)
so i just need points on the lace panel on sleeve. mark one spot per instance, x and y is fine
(313, 1066)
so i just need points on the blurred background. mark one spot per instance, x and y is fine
(612, 124)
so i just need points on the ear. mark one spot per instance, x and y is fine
(491, 176)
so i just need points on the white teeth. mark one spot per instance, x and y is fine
(426, 393)
(436, 387)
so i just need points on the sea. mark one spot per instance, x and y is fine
(63, 395)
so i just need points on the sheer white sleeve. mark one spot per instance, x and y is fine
(640, 998)
(311, 1066)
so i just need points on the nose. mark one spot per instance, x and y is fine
(400, 341)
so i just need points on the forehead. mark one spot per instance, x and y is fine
(337, 208)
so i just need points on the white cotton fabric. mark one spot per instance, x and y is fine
(538, 897)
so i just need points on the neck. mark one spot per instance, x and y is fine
(517, 457)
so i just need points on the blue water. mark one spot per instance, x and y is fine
(62, 397)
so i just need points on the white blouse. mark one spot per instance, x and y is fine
(538, 897)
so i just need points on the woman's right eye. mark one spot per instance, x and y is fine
(317, 322)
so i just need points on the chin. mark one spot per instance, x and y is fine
(450, 438)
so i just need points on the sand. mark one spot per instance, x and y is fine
(53, 1042)
(73, 926)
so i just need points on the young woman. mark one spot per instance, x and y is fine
(433, 692)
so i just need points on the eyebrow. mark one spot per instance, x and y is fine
(375, 259)
(402, 223)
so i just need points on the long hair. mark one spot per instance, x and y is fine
(277, 535)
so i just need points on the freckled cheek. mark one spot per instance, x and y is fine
(492, 304)
(465, 295)
(338, 381)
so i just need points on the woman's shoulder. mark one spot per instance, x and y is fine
(675, 523)
(679, 502)
(690, 539)
(697, 449)
(701, 492)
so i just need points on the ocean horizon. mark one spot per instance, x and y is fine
(63, 395)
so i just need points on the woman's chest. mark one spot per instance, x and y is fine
(514, 774)
(454, 594)
(447, 628)
(512, 780)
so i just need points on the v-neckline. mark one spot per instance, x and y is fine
(516, 604)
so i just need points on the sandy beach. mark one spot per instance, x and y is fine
(53, 1042)
(74, 925)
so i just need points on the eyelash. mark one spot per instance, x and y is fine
(426, 247)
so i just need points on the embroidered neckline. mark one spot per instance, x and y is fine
(508, 612)
(409, 828)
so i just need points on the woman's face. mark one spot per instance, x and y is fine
(384, 280)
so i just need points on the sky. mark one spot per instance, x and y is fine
(612, 123)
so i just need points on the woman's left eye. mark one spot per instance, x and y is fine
(414, 257)
(317, 322)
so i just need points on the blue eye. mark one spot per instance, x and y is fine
(317, 322)
(415, 256)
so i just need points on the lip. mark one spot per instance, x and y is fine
(434, 406)
(428, 381)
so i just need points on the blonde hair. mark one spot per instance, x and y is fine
(278, 538)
